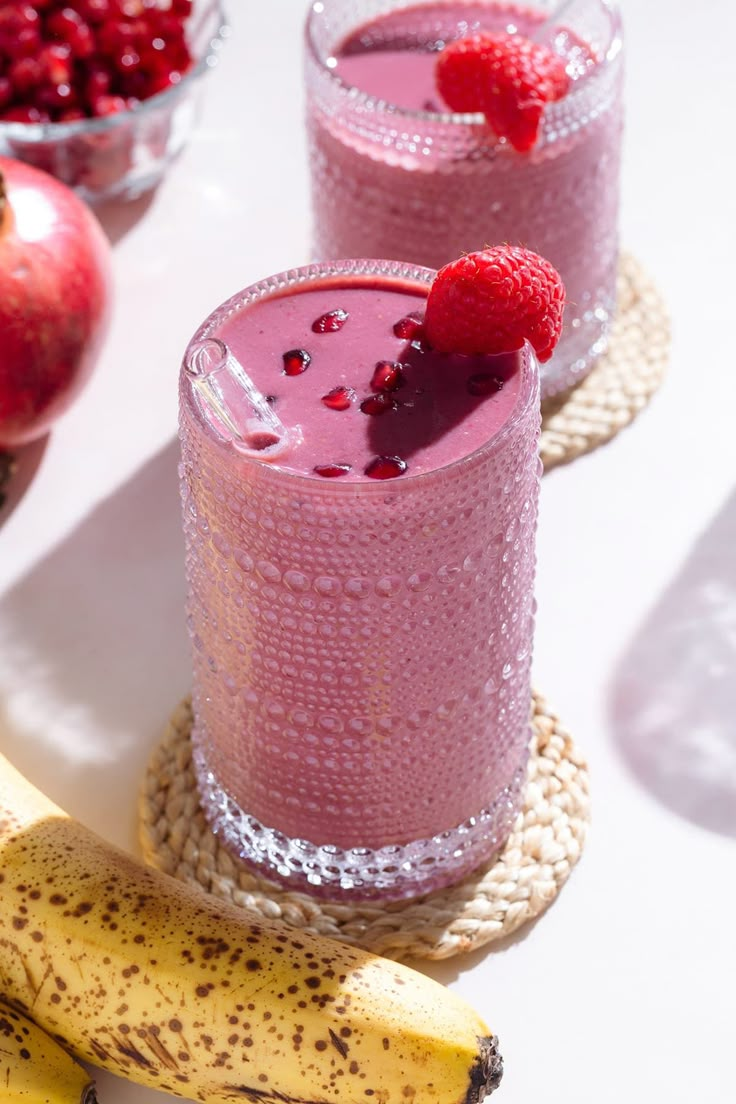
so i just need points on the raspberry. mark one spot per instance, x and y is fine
(494, 300)
(507, 77)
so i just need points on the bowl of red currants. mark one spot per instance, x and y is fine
(103, 94)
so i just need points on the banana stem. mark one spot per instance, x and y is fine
(486, 1074)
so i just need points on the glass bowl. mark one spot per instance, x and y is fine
(122, 156)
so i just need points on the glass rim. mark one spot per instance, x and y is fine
(453, 119)
(48, 132)
(280, 285)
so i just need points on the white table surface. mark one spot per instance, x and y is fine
(625, 990)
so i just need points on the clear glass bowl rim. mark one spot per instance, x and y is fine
(363, 100)
(370, 268)
(49, 132)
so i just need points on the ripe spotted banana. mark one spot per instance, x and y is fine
(157, 982)
(36, 1070)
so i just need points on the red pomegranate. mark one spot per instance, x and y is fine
(54, 295)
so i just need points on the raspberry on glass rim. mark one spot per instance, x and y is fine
(494, 300)
(507, 77)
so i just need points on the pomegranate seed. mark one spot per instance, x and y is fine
(69, 27)
(97, 83)
(388, 376)
(24, 115)
(378, 404)
(131, 8)
(332, 471)
(296, 361)
(385, 467)
(56, 63)
(483, 383)
(136, 84)
(27, 43)
(163, 81)
(331, 322)
(25, 75)
(109, 105)
(6, 92)
(127, 60)
(17, 18)
(94, 11)
(409, 326)
(113, 36)
(71, 115)
(339, 398)
(28, 15)
(56, 96)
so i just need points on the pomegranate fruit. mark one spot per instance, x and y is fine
(54, 299)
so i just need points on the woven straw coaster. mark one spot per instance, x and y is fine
(524, 879)
(622, 382)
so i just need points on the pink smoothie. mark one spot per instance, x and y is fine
(437, 408)
(361, 646)
(395, 175)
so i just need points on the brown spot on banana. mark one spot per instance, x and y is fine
(339, 1044)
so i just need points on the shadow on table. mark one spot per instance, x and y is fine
(117, 217)
(17, 471)
(95, 642)
(673, 701)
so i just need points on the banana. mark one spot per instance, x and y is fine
(36, 1070)
(160, 983)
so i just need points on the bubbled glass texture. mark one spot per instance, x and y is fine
(361, 653)
(427, 188)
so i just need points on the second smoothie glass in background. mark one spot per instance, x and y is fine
(361, 646)
(393, 176)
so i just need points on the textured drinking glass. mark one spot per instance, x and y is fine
(426, 187)
(361, 651)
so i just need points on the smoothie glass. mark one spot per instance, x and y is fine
(361, 650)
(425, 187)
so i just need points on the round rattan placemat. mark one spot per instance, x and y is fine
(623, 380)
(517, 886)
